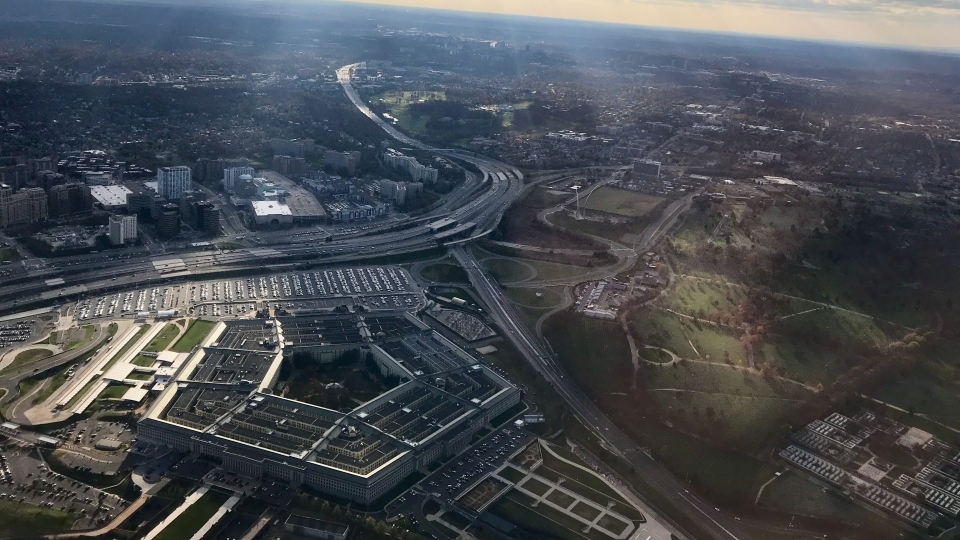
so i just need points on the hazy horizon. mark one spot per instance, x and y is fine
(916, 24)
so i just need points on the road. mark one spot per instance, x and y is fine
(718, 524)
(10, 380)
(479, 201)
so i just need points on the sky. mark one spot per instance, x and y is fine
(925, 24)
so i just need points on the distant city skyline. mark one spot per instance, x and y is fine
(924, 24)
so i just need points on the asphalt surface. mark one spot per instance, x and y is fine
(10, 380)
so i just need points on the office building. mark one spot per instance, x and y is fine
(48, 179)
(168, 225)
(36, 166)
(647, 168)
(13, 173)
(123, 229)
(207, 216)
(765, 157)
(97, 178)
(28, 205)
(659, 128)
(232, 175)
(290, 166)
(342, 160)
(293, 147)
(172, 182)
(69, 199)
(400, 193)
(222, 403)
(208, 171)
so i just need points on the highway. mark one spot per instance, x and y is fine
(12, 378)
(719, 525)
(480, 200)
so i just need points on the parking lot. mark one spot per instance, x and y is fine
(373, 287)
(472, 466)
(27, 479)
(13, 333)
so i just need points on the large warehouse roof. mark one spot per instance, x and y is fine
(270, 208)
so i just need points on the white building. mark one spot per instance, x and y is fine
(271, 213)
(122, 229)
(173, 182)
(231, 175)
(419, 173)
(110, 197)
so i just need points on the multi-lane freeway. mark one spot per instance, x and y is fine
(476, 207)
(481, 201)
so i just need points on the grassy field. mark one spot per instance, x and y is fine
(594, 352)
(623, 202)
(528, 296)
(398, 104)
(692, 296)
(162, 340)
(655, 355)
(929, 389)
(506, 271)
(114, 391)
(190, 521)
(9, 255)
(27, 357)
(52, 384)
(194, 335)
(444, 273)
(143, 360)
(603, 229)
(52, 339)
(541, 521)
(511, 474)
(794, 492)
(88, 331)
(550, 271)
(19, 520)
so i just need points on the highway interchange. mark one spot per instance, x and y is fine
(480, 201)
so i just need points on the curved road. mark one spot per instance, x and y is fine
(10, 381)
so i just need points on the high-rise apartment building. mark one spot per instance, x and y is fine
(122, 229)
(172, 182)
(231, 175)
(25, 206)
(69, 199)
(293, 147)
(342, 160)
(290, 166)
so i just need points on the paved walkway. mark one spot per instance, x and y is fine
(600, 511)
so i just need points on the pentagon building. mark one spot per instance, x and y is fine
(221, 403)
